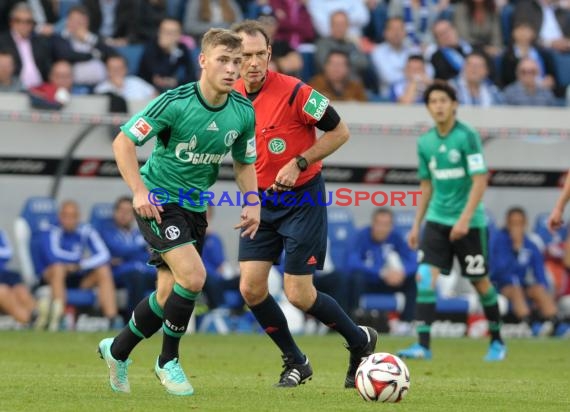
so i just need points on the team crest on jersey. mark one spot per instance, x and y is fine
(172, 232)
(277, 145)
(141, 129)
(454, 156)
(231, 137)
(316, 105)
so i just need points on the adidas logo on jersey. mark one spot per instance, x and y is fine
(213, 127)
(442, 149)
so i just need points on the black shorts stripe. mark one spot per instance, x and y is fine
(294, 93)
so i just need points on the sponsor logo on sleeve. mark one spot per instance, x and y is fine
(316, 105)
(250, 150)
(141, 129)
(475, 162)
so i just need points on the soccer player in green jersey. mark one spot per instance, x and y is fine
(453, 179)
(195, 126)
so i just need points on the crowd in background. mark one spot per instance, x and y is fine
(493, 51)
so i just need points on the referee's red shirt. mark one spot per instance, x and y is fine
(285, 125)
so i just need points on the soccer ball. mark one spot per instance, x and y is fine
(382, 377)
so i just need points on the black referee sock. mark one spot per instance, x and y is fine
(329, 312)
(145, 322)
(177, 311)
(273, 321)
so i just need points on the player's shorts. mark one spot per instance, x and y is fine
(10, 278)
(471, 250)
(179, 227)
(299, 229)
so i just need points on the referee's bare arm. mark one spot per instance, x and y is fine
(328, 143)
(126, 157)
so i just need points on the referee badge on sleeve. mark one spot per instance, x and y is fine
(316, 105)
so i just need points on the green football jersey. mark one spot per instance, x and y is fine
(449, 162)
(193, 138)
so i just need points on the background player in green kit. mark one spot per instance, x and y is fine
(453, 179)
(195, 126)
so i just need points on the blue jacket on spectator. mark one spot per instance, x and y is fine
(510, 267)
(369, 256)
(83, 246)
(6, 251)
(213, 254)
(128, 248)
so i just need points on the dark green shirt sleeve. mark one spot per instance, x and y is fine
(423, 165)
(474, 154)
(243, 148)
(158, 115)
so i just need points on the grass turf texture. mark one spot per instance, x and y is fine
(61, 372)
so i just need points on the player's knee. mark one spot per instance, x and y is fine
(301, 298)
(253, 294)
(424, 277)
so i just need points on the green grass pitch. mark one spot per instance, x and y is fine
(61, 372)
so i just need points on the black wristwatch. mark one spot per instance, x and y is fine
(302, 163)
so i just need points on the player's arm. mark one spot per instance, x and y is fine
(476, 193)
(246, 180)
(426, 189)
(555, 220)
(126, 157)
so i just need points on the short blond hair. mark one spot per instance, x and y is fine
(220, 37)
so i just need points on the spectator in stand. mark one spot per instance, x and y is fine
(473, 85)
(527, 90)
(15, 297)
(381, 262)
(449, 56)
(30, 51)
(339, 40)
(9, 82)
(524, 45)
(294, 22)
(549, 19)
(374, 30)
(221, 277)
(389, 58)
(411, 89)
(202, 15)
(74, 255)
(517, 268)
(284, 59)
(149, 14)
(5, 8)
(86, 51)
(478, 23)
(167, 63)
(419, 16)
(335, 80)
(321, 12)
(129, 253)
(112, 20)
(122, 84)
(56, 92)
(46, 15)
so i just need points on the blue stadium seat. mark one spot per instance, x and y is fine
(101, 215)
(403, 221)
(378, 301)
(38, 214)
(133, 54)
(506, 18)
(65, 6)
(309, 67)
(562, 63)
(451, 305)
(340, 230)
